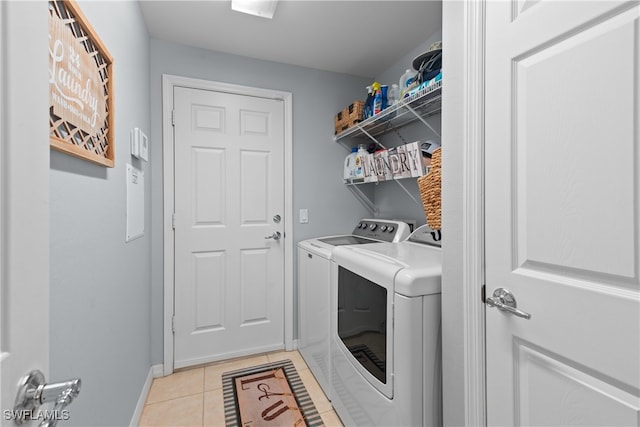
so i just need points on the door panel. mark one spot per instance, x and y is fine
(562, 212)
(254, 186)
(552, 385)
(208, 118)
(255, 286)
(254, 122)
(24, 200)
(209, 276)
(563, 153)
(209, 199)
(229, 183)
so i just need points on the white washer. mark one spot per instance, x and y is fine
(385, 332)
(314, 268)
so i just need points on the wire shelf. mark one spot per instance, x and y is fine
(421, 105)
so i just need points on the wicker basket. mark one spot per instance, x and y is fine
(430, 191)
(348, 117)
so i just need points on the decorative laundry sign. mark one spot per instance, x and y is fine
(80, 86)
(76, 88)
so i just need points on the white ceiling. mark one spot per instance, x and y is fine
(361, 38)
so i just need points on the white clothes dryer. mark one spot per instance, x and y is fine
(314, 270)
(385, 332)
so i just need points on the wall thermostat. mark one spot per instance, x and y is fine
(139, 144)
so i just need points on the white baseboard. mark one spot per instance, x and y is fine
(154, 372)
(225, 356)
(157, 371)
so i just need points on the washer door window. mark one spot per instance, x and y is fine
(364, 314)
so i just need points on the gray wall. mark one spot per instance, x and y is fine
(317, 160)
(100, 285)
(392, 200)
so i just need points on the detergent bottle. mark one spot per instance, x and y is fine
(405, 80)
(349, 164)
(394, 94)
(385, 96)
(358, 164)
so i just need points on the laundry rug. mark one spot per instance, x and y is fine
(268, 395)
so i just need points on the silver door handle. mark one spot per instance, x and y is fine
(504, 300)
(33, 392)
(275, 236)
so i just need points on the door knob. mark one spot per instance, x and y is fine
(504, 300)
(275, 236)
(33, 392)
(277, 219)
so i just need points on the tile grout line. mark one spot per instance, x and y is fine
(173, 398)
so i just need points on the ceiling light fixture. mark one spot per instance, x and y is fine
(262, 8)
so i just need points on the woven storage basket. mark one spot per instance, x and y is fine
(430, 191)
(349, 116)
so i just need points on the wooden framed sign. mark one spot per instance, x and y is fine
(80, 86)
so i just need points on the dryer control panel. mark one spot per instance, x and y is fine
(382, 229)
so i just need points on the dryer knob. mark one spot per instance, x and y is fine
(390, 229)
(372, 226)
(383, 228)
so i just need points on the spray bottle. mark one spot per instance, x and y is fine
(377, 97)
(368, 104)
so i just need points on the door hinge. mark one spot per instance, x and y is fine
(173, 221)
(173, 324)
(483, 294)
(173, 117)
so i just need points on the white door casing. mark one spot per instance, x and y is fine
(208, 222)
(463, 312)
(562, 188)
(24, 195)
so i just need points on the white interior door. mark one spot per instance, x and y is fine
(24, 192)
(229, 196)
(563, 212)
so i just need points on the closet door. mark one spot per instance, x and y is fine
(563, 213)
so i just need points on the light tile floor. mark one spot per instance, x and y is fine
(193, 397)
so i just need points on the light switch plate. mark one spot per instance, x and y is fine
(304, 216)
